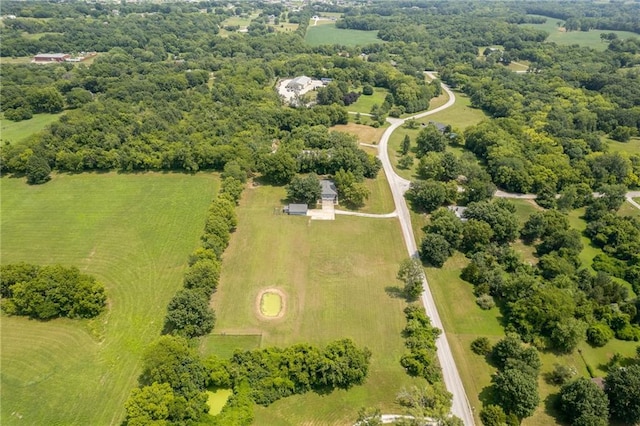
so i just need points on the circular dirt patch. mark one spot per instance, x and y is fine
(271, 303)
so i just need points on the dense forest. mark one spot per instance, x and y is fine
(173, 88)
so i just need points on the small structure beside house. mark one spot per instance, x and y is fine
(329, 191)
(50, 57)
(441, 127)
(296, 209)
(326, 81)
(299, 83)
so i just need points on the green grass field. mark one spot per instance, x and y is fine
(18, 131)
(582, 38)
(134, 233)
(328, 34)
(631, 147)
(335, 275)
(365, 103)
(628, 210)
(460, 116)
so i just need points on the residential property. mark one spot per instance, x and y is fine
(329, 191)
(299, 83)
(51, 57)
(296, 209)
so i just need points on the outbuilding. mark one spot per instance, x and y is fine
(296, 209)
(51, 57)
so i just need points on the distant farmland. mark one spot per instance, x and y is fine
(328, 34)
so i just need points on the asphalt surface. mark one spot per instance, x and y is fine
(461, 407)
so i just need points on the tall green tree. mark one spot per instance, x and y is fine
(516, 392)
(622, 386)
(582, 402)
(305, 189)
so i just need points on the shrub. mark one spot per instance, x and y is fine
(485, 302)
(598, 335)
(367, 90)
(481, 346)
(561, 374)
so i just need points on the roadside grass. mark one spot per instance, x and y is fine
(460, 115)
(329, 34)
(631, 147)
(366, 102)
(18, 131)
(583, 38)
(336, 276)
(134, 233)
(364, 133)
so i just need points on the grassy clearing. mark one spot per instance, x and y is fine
(284, 27)
(460, 115)
(366, 102)
(37, 36)
(18, 131)
(629, 210)
(631, 147)
(333, 274)
(217, 399)
(224, 345)
(591, 38)
(329, 34)
(134, 233)
(364, 133)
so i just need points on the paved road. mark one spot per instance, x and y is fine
(399, 186)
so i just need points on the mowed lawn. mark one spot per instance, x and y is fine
(18, 131)
(328, 34)
(366, 102)
(336, 276)
(133, 232)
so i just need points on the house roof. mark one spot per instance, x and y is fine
(297, 208)
(51, 55)
(328, 188)
(303, 80)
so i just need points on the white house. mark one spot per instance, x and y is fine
(299, 83)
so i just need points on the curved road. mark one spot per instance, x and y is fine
(399, 186)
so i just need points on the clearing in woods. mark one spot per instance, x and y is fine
(134, 233)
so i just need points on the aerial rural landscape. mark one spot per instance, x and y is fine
(299, 212)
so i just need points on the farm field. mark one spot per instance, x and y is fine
(335, 276)
(134, 233)
(328, 34)
(582, 38)
(18, 131)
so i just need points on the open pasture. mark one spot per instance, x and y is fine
(18, 131)
(559, 35)
(134, 233)
(328, 34)
(338, 279)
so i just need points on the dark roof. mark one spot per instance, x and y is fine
(297, 208)
(328, 188)
(439, 126)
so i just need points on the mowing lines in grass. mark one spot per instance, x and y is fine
(336, 275)
(134, 234)
(329, 34)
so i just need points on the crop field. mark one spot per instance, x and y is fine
(134, 234)
(18, 131)
(328, 34)
(337, 278)
(591, 38)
